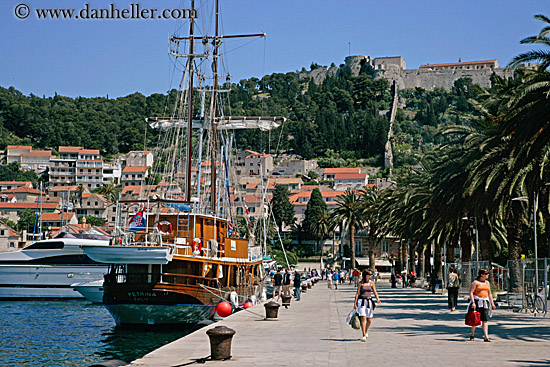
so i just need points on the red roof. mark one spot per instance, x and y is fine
(26, 147)
(131, 188)
(51, 206)
(459, 63)
(38, 153)
(88, 151)
(20, 189)
(69, 149)
(22, 183)
(307, 194)
(57, 217)
(342, 170)
(135, 169)
(139, 151)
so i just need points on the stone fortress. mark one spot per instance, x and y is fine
(427, 76)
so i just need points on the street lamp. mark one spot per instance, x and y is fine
(477, 239)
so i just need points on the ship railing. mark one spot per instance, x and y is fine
(164, 278)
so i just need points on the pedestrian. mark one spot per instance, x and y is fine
(286, 283)
(375, 275)
(363, 303)
(355, 275)
(481, 300)
(336, 278)
(393, 280)
(329, 279)
(453, 284)
(297, 284)
(413, 279)
(277, 284)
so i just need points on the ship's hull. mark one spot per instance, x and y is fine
(92, 291)
(45, 281)
(160, 314)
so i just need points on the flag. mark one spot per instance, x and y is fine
(220, 271)
(137, 222)
(229, 228)
(247, 211)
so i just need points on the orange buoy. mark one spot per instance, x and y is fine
(247, 304)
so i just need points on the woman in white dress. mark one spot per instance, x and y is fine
(364, 304)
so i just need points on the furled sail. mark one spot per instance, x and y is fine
(224, 123)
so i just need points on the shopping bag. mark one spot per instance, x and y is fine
(350, 315)
(355, 322)
(473, 318)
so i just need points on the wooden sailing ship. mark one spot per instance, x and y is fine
(178, 258)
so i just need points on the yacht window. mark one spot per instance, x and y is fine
(50, 245)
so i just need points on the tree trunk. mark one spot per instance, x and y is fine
(465, 242)
(372, 260)
(437, 259)
(405, 256)
(412, 258)
(421, 267)
(513, 234)
(427, 256)
(485, 248)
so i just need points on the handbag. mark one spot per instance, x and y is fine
(355, 322)
(473, 318)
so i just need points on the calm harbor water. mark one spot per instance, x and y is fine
(70, 333)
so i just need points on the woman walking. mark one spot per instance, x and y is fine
(453, 284)
(363, 302)
(481, 300)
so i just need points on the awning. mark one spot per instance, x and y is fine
(364, 261)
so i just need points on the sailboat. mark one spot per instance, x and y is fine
(180, 255)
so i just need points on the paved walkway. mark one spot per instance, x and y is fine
(411, 328)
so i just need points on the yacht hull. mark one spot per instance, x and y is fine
(160, 314)
(45, 281)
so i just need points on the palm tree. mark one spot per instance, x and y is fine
(349, 209)
(322, 227)
(541, 56)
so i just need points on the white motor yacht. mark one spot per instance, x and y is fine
(48, 268)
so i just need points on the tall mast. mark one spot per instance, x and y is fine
(214, 124)
(190, 107)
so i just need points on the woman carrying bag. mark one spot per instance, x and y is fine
(453, 284)
(481, 300)
(363, 302)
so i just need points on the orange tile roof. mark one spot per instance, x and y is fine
(342, 170)
(133, 188)
(135, 169)
(19, 147)
(51, 206)
(459, 63)
(86, 195)
(64, 149)
(307, 194)
(88, 151)
(140, 151)
(21, 189)
(38, 153)
(23, 183)
(57, 216)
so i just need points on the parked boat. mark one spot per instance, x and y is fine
(48, 268)
(181, 254)
(92, 291)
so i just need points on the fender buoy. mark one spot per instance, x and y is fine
(196, 246)
(224, 309)
(248, 304)
(166, 225)
(234, 298)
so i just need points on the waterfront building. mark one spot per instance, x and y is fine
(134, 176)
(139, 158)
(23, 194)
(63, 168)
(89, 168)
(9, 238)
(293, 167)
(249, 162)
(13, 152)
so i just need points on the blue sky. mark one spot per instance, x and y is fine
(119, 57)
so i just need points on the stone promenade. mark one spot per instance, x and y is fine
(411, 328)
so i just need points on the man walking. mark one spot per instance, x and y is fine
(297, 284)
(336, 278)
(277, 284)
(286, 283)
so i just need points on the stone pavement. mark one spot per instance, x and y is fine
(411, 328)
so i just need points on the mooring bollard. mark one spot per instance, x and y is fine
(220, 342)
(286, 300)
(271, 310)
(309, 285)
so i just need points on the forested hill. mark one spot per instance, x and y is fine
(343, 121)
